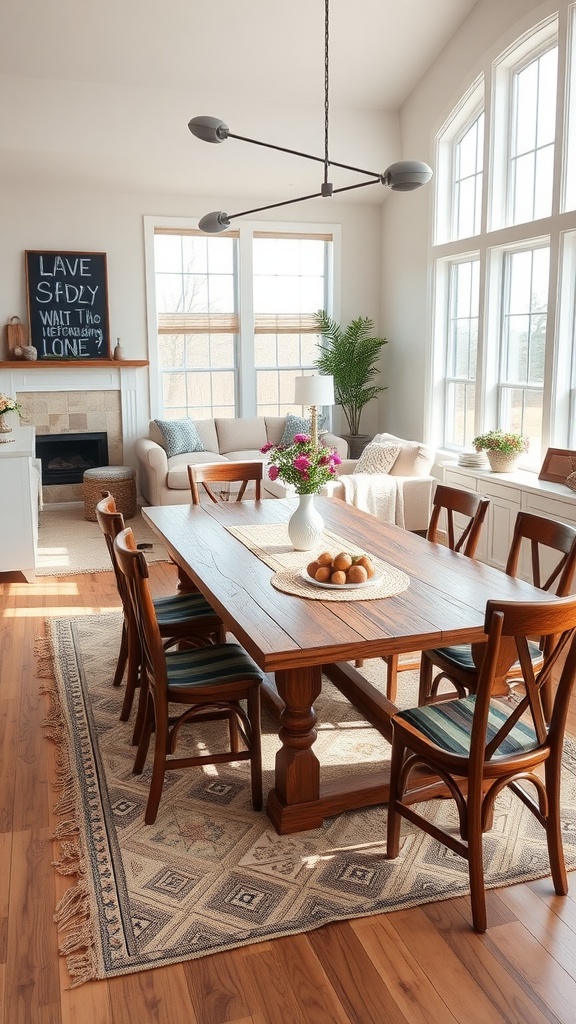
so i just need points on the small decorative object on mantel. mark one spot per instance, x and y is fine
(17, 335)
(306, 467)
(502, 448)
(118, 351)
(7, 405)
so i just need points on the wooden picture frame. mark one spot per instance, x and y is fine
(558, 464)
(67, 295)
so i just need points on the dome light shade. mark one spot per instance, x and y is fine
(209, 129)
(406, 175)
(214, 222)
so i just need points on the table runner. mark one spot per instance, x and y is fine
(271, 544)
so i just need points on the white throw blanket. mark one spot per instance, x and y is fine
(376, 493)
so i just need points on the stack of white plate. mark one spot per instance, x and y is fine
(477, 460)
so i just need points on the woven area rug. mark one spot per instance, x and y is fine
(211, 874)
(69, 544)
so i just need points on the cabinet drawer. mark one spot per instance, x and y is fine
(564, 511)
(455, 479)
(505, 493)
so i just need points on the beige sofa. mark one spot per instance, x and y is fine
(409, 477)
(164, 481)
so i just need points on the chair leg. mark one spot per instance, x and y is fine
(554, 827)
(122, 658)
(255, 747)
(234, 733)
(476, 861)
(394, 816)
(425, 686)
(391, 676)
(159, 766)
(133, 674)
(147, 725)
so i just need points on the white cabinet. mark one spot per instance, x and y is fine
(18, 504)
(508, 493)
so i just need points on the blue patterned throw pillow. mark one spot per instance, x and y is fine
(180, 436)
(294, 425)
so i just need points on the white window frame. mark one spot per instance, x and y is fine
(460, 120)
(497, 237)
(246, 396)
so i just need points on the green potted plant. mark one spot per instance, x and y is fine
(502, 448)
(349, 354)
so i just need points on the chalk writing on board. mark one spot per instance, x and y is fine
(68, 305)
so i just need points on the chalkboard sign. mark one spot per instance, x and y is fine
(68, 304)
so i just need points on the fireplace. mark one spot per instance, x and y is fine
(64, 457)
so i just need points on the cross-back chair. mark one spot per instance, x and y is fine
(464, 513)
(225, 473)
(478, 745)
(182, 618)
(209, 682)
(456, 664)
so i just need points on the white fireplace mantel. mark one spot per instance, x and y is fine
(130, 380)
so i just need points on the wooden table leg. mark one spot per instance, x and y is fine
(297, 768)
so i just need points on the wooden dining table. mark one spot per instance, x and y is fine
(294, 640)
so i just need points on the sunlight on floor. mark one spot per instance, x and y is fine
(56, 612)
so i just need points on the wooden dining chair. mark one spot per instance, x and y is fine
(456, 664)
(458, 515)
(209, 682)
(182, 618)
(225, 473)
(478, 745)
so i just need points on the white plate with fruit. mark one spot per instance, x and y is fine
(341, 572)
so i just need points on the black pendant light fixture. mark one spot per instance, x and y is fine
(402, 176)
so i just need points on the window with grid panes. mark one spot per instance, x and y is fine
(508, 361)
(213, 359)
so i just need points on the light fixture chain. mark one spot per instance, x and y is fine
(326, 84)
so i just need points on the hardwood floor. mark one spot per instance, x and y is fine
(420, 966)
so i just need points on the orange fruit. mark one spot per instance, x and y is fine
(367, 563)
(312, 568)
(338, 577)
(342, 561)
(323, 574)
(325, 558)
(356, 574)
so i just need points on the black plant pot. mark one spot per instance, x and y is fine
(356, 444)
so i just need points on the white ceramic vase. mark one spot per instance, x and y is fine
(305, 526)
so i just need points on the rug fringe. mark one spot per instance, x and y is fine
(72, 914)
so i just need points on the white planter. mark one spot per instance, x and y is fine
(305, 526)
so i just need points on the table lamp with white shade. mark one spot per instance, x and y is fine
(314, 391)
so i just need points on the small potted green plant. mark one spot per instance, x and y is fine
(503, 449)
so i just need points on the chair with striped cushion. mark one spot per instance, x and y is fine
(478, 745)
(464, 513)
(209, 682)
(547, 541)
(182, 618)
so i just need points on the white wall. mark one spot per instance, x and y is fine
(62, 219)
(407, 219)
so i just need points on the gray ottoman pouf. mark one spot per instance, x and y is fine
(119, 480)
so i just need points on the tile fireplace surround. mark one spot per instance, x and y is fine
(78, 399)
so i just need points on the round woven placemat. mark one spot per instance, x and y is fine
(393, 582)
